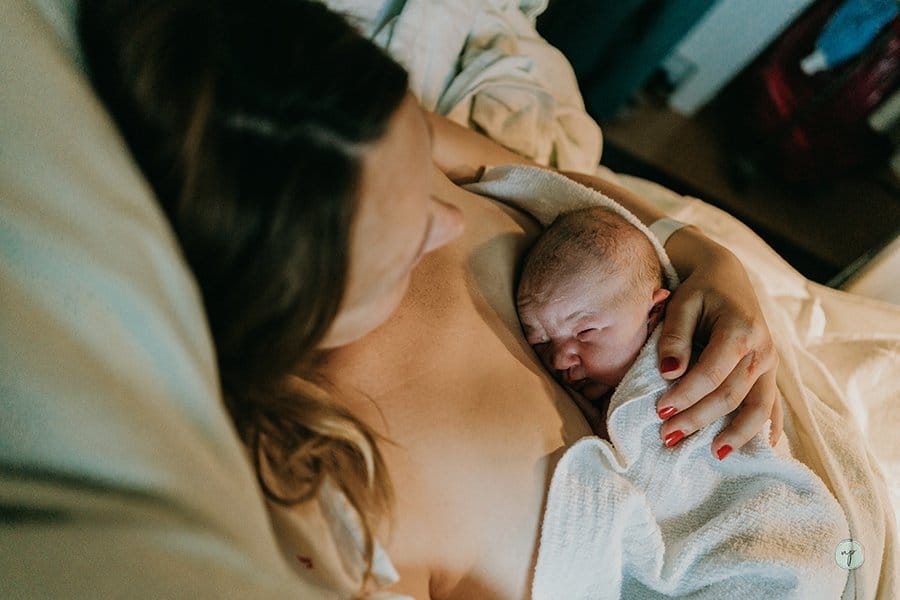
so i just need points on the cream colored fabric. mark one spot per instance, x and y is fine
(880, 277)
(120, 474)
(482, 64)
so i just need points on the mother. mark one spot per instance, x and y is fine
(299, 176)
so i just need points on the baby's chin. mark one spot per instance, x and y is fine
(594, 392)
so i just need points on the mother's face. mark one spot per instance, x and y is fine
(398, 221)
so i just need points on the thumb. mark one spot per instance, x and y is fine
(677, 332)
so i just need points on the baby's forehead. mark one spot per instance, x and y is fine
(579, 289)
(580, 240)
(579, 270)
(594, 245)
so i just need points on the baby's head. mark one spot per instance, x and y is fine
(590, 293)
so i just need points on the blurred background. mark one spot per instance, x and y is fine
(785, 113)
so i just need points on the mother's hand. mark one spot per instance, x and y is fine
(716, 304)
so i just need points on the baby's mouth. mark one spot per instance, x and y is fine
(576, 384)
(575, 379)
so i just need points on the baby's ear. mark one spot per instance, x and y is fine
(658, 310)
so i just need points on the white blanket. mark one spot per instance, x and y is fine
(634, 519)
(840, 356)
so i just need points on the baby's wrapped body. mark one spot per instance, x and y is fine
(631, 518)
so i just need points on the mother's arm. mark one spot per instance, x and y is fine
(715, 304)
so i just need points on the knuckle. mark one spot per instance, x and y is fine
(761, 360)
(765, 402)
(688, 423)
(713, 376)
(670, 339)
(754, 362)
(765, 345)
(742, 335)
(688, 292)
(771, 358)
(728, 400)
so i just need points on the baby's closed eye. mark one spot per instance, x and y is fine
(534, 335)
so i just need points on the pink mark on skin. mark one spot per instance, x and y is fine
(305, 561)
(754, 364)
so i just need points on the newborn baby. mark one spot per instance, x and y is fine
(590, 294)
(673, 521)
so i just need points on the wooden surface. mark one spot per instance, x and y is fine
(833, 224)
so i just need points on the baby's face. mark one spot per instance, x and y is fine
(585, 339)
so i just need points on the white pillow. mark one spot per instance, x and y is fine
(120, 472)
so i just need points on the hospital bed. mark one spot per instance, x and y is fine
(120, 473)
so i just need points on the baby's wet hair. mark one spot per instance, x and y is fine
(593, 242)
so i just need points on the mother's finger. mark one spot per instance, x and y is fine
(721, 401)
(755, 411)
(716, 362)
(777, 419)
(678, 328)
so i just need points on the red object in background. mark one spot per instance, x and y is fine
(814, 128)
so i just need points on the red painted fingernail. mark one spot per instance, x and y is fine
(674, 437)
(666, 412)
(723, 451)
(668, 364)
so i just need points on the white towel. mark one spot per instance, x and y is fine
(635, 519)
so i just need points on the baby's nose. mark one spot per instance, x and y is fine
(564, 357)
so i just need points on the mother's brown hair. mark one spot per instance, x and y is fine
(250, 121)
